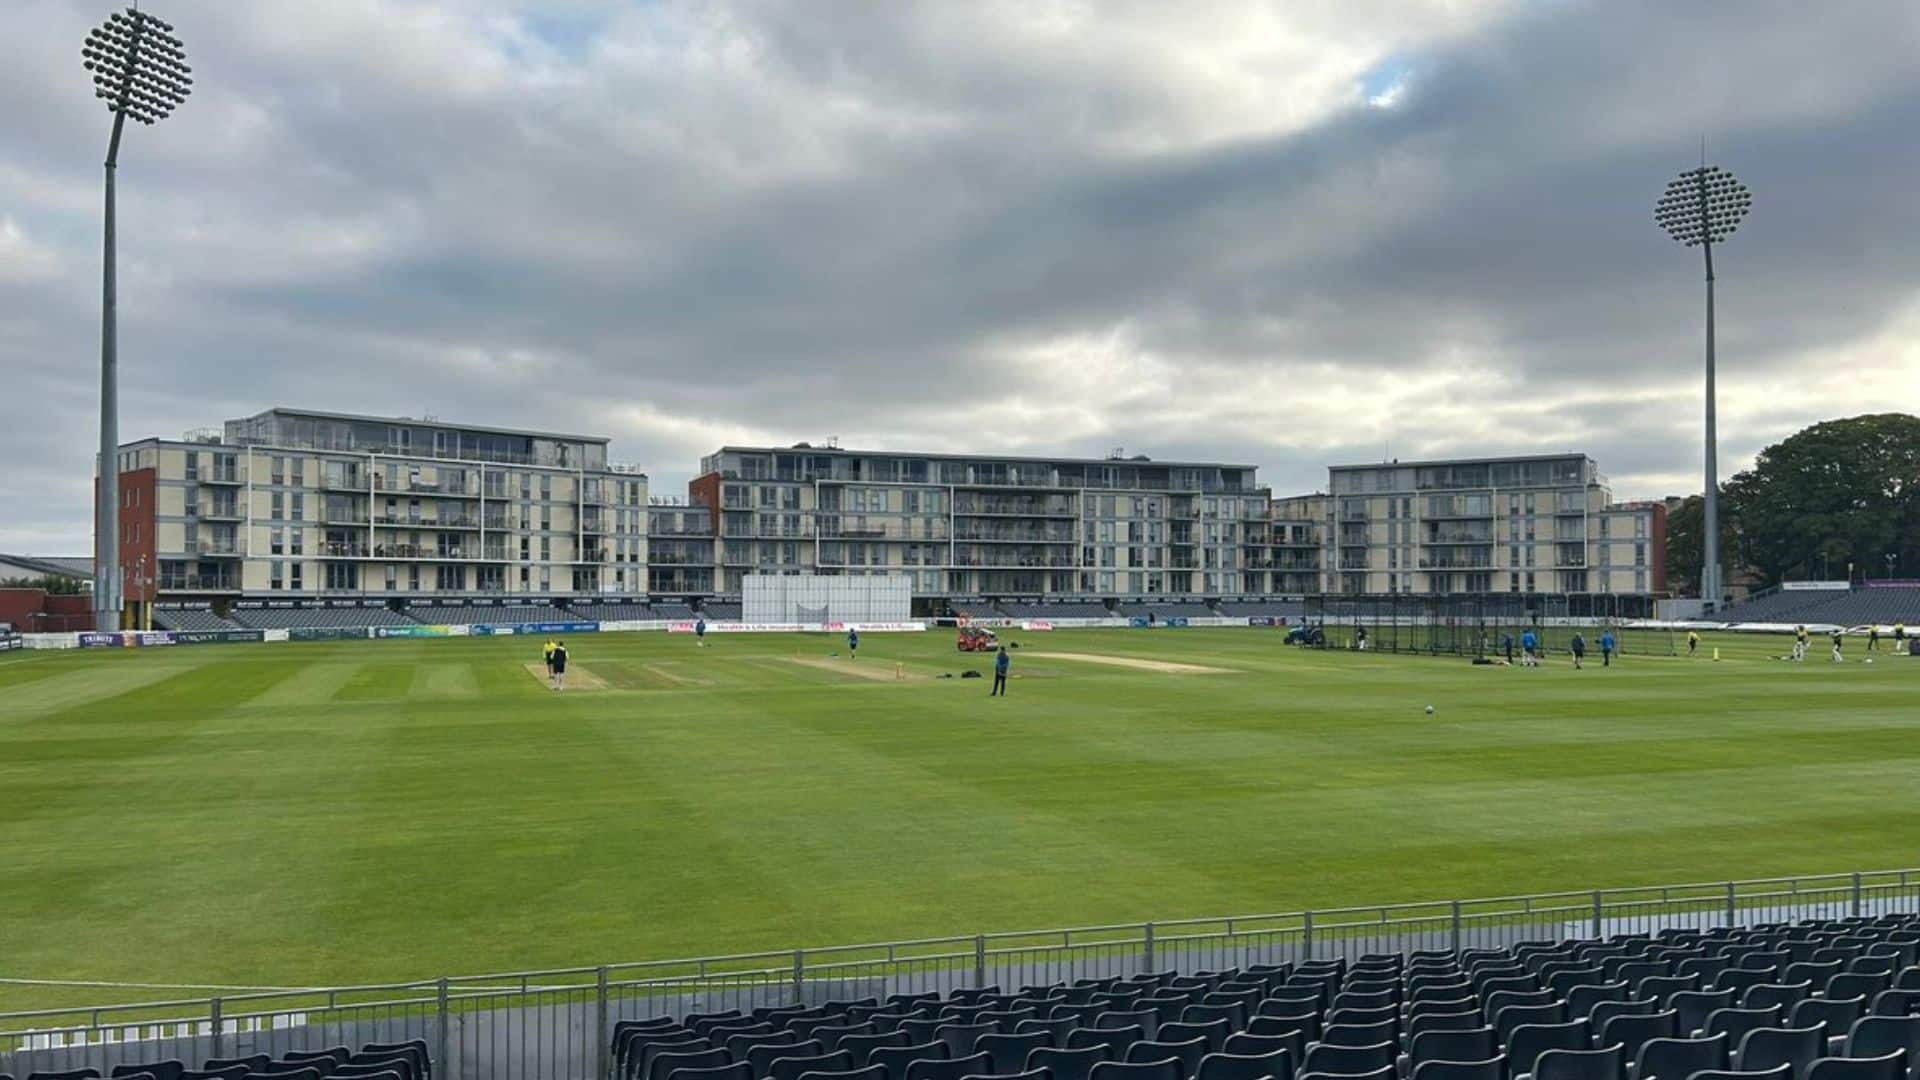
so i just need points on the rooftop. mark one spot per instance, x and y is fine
(1433, 462)
(1135, 459)
(414, 421)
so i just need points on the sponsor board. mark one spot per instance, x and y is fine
(276, 635)
(11, 642)
(1262, 620)
(502, 629)
(126, 639)
(212, 637)
(686, 627)
(1037, 624)
(1141, 622)
(419, 631)
(1815, 586)
(326, 633)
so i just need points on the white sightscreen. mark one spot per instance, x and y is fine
(801, 598)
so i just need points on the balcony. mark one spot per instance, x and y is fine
(1059, 508)
(216, 548)
(351, 482)
(409, 521)
(973, 562)
(201, 583)
(227, 478)
(1018, 538)
(343, 551)
(219, 512)
(343, 517)
(422, 487)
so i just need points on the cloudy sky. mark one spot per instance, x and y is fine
(1283, 233)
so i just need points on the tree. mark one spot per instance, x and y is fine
(1838, 493)
(50, 584)
(1684, 532)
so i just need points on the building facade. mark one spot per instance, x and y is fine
(1543, 524)
(293, 504)
(962, 525)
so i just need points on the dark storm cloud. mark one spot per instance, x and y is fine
(1186, 233)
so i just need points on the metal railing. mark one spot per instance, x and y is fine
(547, 1025)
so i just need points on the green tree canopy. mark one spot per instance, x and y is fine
(1838, 493)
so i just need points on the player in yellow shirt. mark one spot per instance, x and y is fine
(546, 655)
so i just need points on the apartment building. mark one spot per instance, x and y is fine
(293, 504)
(979, 525)
(1538, 524)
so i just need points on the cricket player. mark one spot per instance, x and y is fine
(558, 664)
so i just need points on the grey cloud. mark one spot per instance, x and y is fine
(914, 225)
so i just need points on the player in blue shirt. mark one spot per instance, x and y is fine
(1606, 648)
(853, 643)
(1529, 649)
(700, 631)
(1001, 662)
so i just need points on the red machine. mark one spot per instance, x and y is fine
(977, 639)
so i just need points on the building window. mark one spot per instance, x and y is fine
(299, 506)
(293, 576)
(298, 468)
(393, 577)
(279, 469)
(276, 575)
(1639, 553)
(275, 541)
(343, 576)
(546, 486)
(279, 507)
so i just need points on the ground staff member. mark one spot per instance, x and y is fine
(1001, 662)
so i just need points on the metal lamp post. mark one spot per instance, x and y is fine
(139, 70)
(1702, 207)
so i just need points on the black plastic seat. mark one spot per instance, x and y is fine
(1323, 1058)
(1783, 996)
(792, 1068)
(1878, 1036)
(1890, 1066)
(1783, 1072)
(1062, 1064)
(1695, 1006)
(1514, 1017)
(1678, 1059)
(1529, 1041)
(946, 1069)
(1471, 1044)
(762, 1057)
(1634, 1030)
(871, 1072)
(1124, 1070)
(1187, 1053)
(232, 1072)
(661, 1065)
(1009, 1052)
(250, 1062)
(1661, 988)
(1214, 1033)
(1247, 1044)
(1386, 1031)
(1607, 1063)
(1387, 1072)
(740, 1046)
(1763, 1048)
(163, 1070)
(897, 1059)
(1277, 1064)
(739, 1070)
(1737, 1022)
(1837, 1014)
(1116, 1040)
(1494, 1068)
(415, 1050)
(863, 1046)
(1460, 1021)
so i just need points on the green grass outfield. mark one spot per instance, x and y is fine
(331, 813)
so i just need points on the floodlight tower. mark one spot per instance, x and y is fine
(140, 71)
(1703, 207)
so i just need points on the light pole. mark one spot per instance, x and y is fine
(139, 70)
(1703, 206)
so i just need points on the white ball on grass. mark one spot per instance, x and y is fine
(1429, 710)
